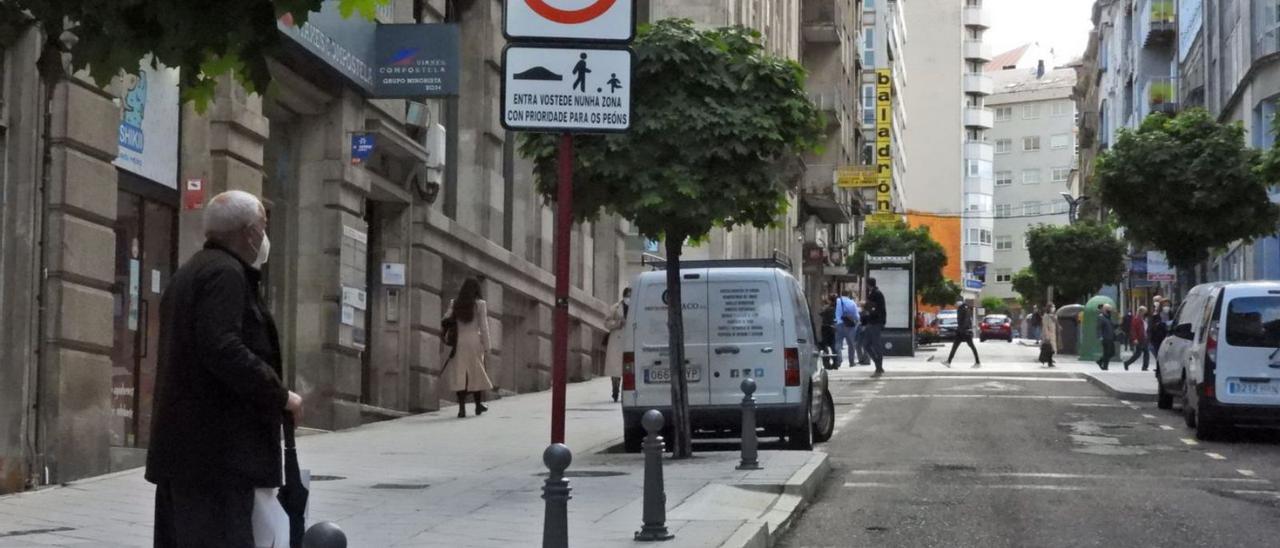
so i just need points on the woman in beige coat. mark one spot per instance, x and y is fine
(616, 324)
(1049, 334)
(465, 371)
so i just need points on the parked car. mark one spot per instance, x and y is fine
(996, 326)
(740, 322)
(1222, 357)
(947, 324)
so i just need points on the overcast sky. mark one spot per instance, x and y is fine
(1059, 24)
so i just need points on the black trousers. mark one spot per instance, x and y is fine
(1108, 352)
(1139, 350)
(213, 514)
(968, 339)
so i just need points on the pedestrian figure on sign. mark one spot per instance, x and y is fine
(615, 340)
(964, 333)
(875, 323)
(465, 371)
(1048, 335)
(580, 70)
(1106, 335)
(1138, 336)
(215, 454)
(614, 83)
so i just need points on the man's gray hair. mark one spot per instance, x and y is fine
(231, 211)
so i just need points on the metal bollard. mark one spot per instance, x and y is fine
(750, 450)
(655, 494)
(555, 524)
(325, 534)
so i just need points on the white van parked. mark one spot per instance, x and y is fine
(742, 319)
(1222, 356)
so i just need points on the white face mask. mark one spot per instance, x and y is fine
(626, 301)
(264, 251)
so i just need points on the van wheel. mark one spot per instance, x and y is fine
(827, 425)
(632, 438)
(1188, 412)
(1164, 400)
(801, 437)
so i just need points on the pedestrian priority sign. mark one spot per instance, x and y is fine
(570, 20)
(566, 89)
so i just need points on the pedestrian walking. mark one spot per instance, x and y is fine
(830, 360)
(875, 323)
(1158, 326)
(964, 333)
(1048, 335)
(1034, 325)
(846, 325)
(1106, 335)
(615, 340)
(465, 371)
(215, 454)
(1138, 338)
(1126, 328)
(864, 357)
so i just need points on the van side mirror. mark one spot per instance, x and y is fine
(1183, 331)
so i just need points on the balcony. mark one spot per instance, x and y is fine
(977, 16)
(977, 50)
(978, 84)
(830, 102)
(1160, 96)
(819, 179)
(821, 22)
(979, 150)
(979, 185)
(1159, 25)
(979, 118)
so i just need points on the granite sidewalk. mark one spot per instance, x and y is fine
(436, 480)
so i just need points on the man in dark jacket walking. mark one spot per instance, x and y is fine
(219, 400)
(875, 323)
(1107, 336)
(964, 333)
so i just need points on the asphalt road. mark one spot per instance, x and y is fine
(965, 457)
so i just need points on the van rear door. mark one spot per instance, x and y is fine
(653, 358)
(1248, 347)
(745, 335)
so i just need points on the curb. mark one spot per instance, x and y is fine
(1134, 396)
(799, 489)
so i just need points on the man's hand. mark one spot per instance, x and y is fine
(294, 405)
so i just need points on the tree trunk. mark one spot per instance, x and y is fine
(682, 442)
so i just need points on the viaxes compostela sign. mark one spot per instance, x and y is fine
(884, 150)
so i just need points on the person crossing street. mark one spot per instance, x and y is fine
(1106, 335)
(846, 324)
(964, 333)
(875, 323)
(1138, 337)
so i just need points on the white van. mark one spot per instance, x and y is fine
(1222, 356)
(742, 319)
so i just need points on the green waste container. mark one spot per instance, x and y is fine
(1090, 346)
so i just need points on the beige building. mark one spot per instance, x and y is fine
(365, 259)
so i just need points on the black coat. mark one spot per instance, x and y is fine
(219, 400)
(964, 320)
(875, 302)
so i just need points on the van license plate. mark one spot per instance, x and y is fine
(1253, 388)
(662, 375)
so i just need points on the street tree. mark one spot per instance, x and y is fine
(717, 131)
(994, 305)
(206, 41)
(944, 293)
(1028, 287)
(1076, 260)
(900, 240)
(1187, 184)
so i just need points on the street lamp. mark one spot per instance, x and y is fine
(1074, 203)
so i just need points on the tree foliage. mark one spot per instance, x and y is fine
(717, 130)
(900, 240)
(944, 293)
(1077, 260)
(204, 39)
(1028, 286)
(1187, 184)
(994, 305)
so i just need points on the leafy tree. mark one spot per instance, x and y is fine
(943, 293)
(1028, 286)
(717, 131)
(900, 240)
(206, 40)
(1187, 184)
(1077, 260)
(994, 305)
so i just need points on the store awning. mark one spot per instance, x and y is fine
(826, 209)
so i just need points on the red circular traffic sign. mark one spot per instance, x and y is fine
(570, 17)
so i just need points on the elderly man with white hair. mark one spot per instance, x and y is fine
(219, 398)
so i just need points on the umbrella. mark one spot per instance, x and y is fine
(293, 496)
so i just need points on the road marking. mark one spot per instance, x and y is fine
(1275, 494)
(1061, 475)
(1215, 456)
(1028, 487)
(1190, 441)
(1166, 427)
(1148, 416)
(870, 484)
(1246, 473)
(1126, 402)
(1086, 404)
(993, 396)
(985, 378)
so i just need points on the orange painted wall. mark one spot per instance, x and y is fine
(947, 231)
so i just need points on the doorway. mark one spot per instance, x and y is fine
(146, 256)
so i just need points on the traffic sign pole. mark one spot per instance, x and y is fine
(560, 328)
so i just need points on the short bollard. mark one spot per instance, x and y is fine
(325, 534)
(555, 524)
(750, 451)
(655, 493)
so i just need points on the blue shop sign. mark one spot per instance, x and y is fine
(361, 147)
(970, 283)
